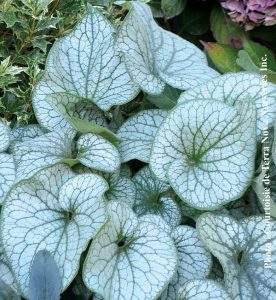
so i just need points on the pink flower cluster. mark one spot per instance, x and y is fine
(251, 13)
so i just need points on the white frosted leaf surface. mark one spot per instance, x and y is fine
(5, 270)
(233, 88)
(202, 290)
(240, 248)
(7, 175)
(56, 211)
(129, 258)
(85, 64)
(24, 133)
(151, 197)
(137, 134)
(33, 155)
(4, 137)
(194, 259)
(53, 111)
(154, 56)
(121, 189)
(206, 150)
(97, 153)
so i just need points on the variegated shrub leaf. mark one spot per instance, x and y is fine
(234, 88)
(206, 150)
(241, 249)
(137, 134)
(151, 197)
(4, 137)
(154, 56)
(194, 260)
(56, 211)
(203, 290)
(130, 258)
(84, 65)
(7, 175)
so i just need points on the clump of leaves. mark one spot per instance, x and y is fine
(111, 192)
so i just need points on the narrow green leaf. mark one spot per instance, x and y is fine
(167, 100)
(172, 8)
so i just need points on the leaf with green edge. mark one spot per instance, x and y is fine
(137, 134)
(167, 100)
(45, 281)
(206, 151)
(97, 153)
(9, 17)
(172, 8)
(130, 258)
(43, 151)
(233, 88)
(225, 31)
(203, 290)
(223, 57)
(7, 175)
(157, 56)
(152, 197)
(84, 126)
(84, 64)
(241, 249)
(53, 112)
(55, 211)
(6, 292)
(194, 260)
(24, 133)
(4, 137)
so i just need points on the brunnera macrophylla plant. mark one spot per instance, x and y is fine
(124, 211)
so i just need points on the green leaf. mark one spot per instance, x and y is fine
(54, 211)
(205, 289)
(194, 260)
(244, 61)
(234, 88)
(225, 31)
(151, 198)
(257, 51)
(195, 21)
(172, 8)
(167, 100)
(203, 143)
(45, 281)
(137, 134)
(37, 5)
(84, 126)
(241, 250)
(223, 57)
(90, 70)
(157, 56)
(130, 258)
(9, 17)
